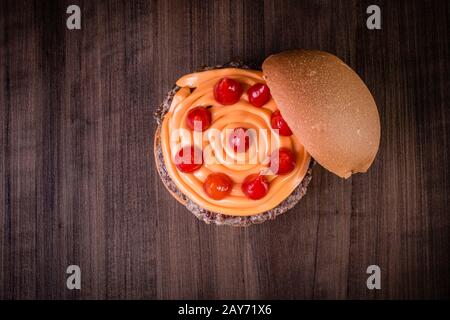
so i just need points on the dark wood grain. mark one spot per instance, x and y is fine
(77, 177)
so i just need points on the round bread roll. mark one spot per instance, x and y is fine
(327, 106)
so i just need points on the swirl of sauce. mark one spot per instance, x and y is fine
(196, 89)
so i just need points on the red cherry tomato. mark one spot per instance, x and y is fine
(255, 186)
(283, 163)
(186, 160)
(201, 115)
(239, 140)
(278, 122)
(218, 185)
(227, 91)
(258, 94)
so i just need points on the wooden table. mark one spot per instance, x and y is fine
(78, 183)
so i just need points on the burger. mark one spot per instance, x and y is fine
(236, 146)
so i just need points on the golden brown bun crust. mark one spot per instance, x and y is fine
(327, 106)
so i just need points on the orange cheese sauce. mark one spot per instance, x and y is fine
(240, 114)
